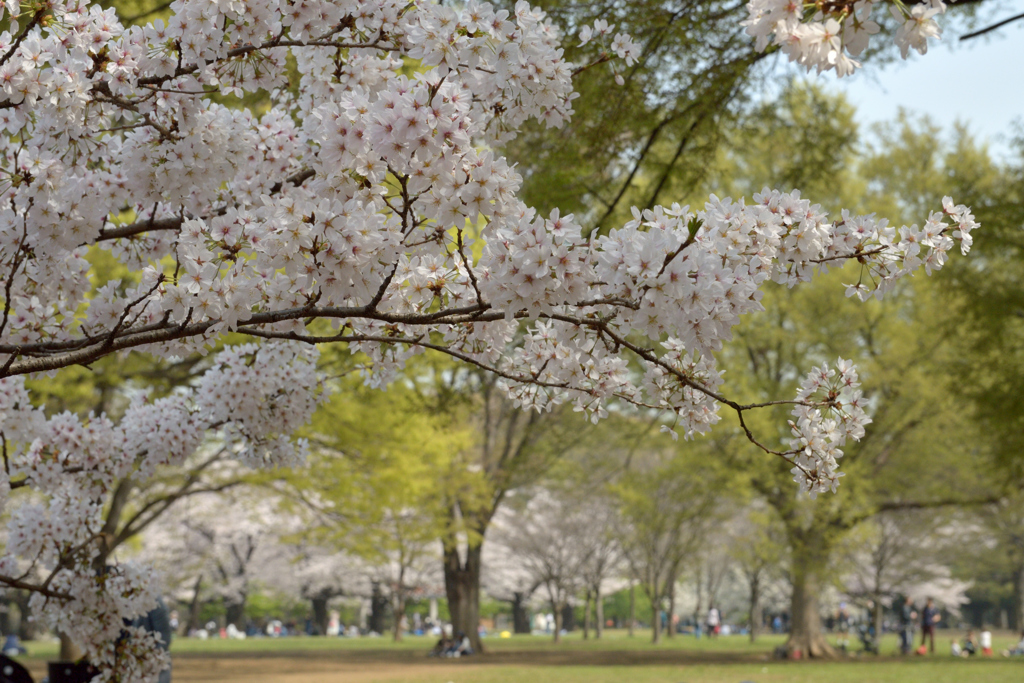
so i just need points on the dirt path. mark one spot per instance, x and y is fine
(301, 670)
(370, 666)
(373, 666)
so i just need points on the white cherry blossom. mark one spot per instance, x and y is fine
(365, 205)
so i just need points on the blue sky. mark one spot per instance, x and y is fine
(980, 81)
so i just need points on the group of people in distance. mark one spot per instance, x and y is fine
(930, 617)
(452, 647)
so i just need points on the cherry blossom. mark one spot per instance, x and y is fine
(363, 203)
(833, 34)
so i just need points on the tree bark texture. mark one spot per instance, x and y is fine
(878, 613)
(462, 587)
(599, 613)
(378, 610)
(670, 630)
(320, 617)
(806, 636)
(193, 610)
(234, 613)
(655, 617)
(568, 618)
(587, 616)
(520, 617)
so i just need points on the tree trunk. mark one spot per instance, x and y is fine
(755, 605)
(69, 652)
(556, 609)
(655, 617)
(806, 635)
(632, 608)
(26, 624)
(599, 613)
(1018, 598)
(6, 619)
(698, 609)
(193, 610)
(520, 618)
(568, 618)
(462, 587)
(877, 613)
(234, 613)
(399, 610)
(378, 610)
(670, 630)
(320, 616)
(586, 616)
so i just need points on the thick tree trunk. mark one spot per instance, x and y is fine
(670, 629)
(234, 613)
(632, 608)
(877, 613)
(69, 652)
(556, 609)
(568, 618)
(378, 610)
(598, 613)
(520, 618)
(320, 616)
(806, 635)
(193, 610)
(462, 587)
(755, 606)
(655, 617)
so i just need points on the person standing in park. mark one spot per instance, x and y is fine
(714, 621)
(907, 617)
(929, 617)
(843, 626)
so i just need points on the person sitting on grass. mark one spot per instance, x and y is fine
(1018, 650)
(441, 648)
(462, 647)
(970, 647)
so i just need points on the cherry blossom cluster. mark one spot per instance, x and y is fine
(259, 395)
(362, 202)
(95, 616)
(251, 398)
(829, 410)
(831, 35)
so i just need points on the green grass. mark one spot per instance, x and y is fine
(614, 659)
(613, 640)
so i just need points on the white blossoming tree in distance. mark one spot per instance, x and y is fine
(367, 207)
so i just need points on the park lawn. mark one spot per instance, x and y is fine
(912, 671)
(535, 659)
(612, 640)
